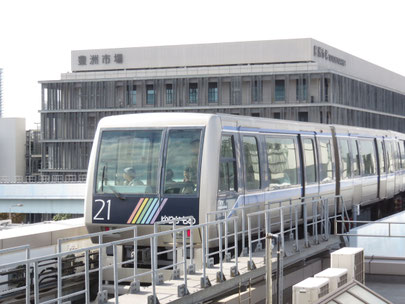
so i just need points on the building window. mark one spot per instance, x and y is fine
(150, 94)
(326, 89)
(256, 90)
(301, 89)
(277, 115)
(280, 90)
(132, 95)
(212, 92)
(302, 116)
(193, 92)
(169, 93)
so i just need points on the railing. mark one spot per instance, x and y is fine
(179, 241)
(389, 225)
(43, 179)
(185, 244)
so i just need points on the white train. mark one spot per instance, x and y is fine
(150, 167)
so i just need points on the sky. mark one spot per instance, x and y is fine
(37, 37)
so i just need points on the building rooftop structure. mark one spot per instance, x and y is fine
(296, 79)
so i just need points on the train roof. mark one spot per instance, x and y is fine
(164, 119)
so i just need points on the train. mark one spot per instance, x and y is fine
(149, 167)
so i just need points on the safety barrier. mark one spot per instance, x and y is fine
(216, 235)
(34, 179)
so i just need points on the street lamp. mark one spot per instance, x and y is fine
(9, 210)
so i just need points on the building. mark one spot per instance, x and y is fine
(12, 148)
(1, 93)
(300, 79)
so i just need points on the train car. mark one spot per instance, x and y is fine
(156, 166)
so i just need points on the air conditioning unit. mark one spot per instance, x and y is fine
(310, 290)
(337, 277)
(352, 259)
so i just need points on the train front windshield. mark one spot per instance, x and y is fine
(130, 162)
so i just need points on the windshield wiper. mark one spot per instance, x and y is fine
(117, 194)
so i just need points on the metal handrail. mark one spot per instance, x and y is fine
(343, 222)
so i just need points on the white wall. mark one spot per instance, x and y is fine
(12, 147)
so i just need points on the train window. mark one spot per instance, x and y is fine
(401, 154)
(282, 162)
(381, 156)
(346, 162)
(128, 161)
(252, 166)
(181, 168)
(227, 165)
(325, 160)
(390, 158)
(310, 164)
(367, 153)
(355, 158)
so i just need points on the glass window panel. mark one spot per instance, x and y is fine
(132, 95)
(401, 154)
(169, 93)
(326, 162)
(381, 156)
(368, 157)
(212, 92)
(252, 167)
(128, 161)
(193, 92)
(310, 164)
(150, 94)
(390, 158)
(227, 166)
(181, 170)
(365, 295)
(355, 158)
(281, 161)
(345, 164)
(279, 90)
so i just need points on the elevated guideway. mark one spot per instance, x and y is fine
(42, 198)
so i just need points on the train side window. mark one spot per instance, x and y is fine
(309, 158)
(325, 161)
(181, 168)
(282, 162)
(355, 158)
(252, 165)
(401, 154)
(368, 157)
(346, 162)
(227, 165)
(381, 156)
(390, 157)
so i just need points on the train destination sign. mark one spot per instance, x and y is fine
(323, 53)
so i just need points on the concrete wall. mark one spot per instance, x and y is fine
(12, 147)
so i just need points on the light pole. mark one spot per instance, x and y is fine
(9, 210)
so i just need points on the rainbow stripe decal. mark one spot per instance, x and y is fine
(146, 210)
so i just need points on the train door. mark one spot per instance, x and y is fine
(346, 179)
(382, 170)
(311, 181)
(326, 166)
(398, 176)
(228, 185)
(390, 168)
(356, 172)
(401, 160)
(369, 179)
(252, 170)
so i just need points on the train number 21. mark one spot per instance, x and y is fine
(96, 217)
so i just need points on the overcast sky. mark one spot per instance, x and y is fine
(36, 37)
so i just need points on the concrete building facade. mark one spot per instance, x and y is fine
(299, 79)
(12, 147)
